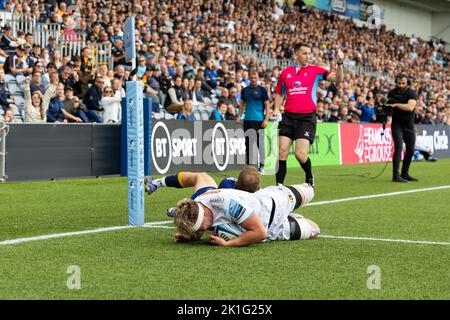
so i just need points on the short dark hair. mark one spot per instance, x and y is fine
(51, 64)
(299, 45)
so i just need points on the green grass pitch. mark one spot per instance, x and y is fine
(144, 263)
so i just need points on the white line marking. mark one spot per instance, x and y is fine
(385, 240)
(161, 227)
(381, 195)
(62, 235)
(77, 233)
(157, 223)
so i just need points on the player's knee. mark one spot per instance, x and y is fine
(301, 156)
(283, 153)
(302, 228)
(304, 193)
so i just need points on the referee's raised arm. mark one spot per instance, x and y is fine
(338, 75)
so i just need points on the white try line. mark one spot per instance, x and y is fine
(159, 223)
(78, 233)
(381, 195)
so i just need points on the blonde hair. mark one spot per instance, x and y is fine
(248, 179)
(186, 213)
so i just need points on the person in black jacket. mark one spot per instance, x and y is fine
(403, 100)
(92, 100)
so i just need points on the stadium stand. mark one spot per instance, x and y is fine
(217, 43)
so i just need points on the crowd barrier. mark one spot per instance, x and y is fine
(46, 151)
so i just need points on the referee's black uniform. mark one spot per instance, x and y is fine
(402, 131)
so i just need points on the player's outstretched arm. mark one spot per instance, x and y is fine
(254, 234)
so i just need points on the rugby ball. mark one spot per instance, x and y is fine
(228, 231)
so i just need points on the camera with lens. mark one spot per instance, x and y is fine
(384, 110)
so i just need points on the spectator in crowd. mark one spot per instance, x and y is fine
(219, 114)
(118, 54)
(51, 47)
(18, 65)
(186, 113)
(320, 114)
(334, 114)
(188, 67)
(152, 86)
(142, 67)
(87, 71)
(7, 42)
(428, 117)
(167, 37)
(36, 83)
(92, 100)
(56, 112)
(174, 100)
(110, 103)
(368, 112)
(102, 70)
(211, 74)
(5, 104)
(50, 69)
(231, 113)
(205, 86)
(9, 117)
(344, 116)
(73, 105)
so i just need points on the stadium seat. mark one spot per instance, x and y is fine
(204, 115)
(13, 88)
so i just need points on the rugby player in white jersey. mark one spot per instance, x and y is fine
(265, 215)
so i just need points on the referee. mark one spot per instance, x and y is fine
(298, 84)
(256, 109)
(403, 100)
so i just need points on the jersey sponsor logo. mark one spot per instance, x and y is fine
(297, 83)
(235, 209)
(291, 198)
(298, 90)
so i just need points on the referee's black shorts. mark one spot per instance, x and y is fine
(298, 126)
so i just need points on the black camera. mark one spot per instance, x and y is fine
(384, 110)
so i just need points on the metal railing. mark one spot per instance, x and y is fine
(23, 23)
(41, 36)
(3, 132)
(100, 52)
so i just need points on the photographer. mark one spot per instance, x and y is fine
(403, 100)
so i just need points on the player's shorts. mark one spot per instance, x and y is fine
(226, 183)
(278, 202)
(298, 126)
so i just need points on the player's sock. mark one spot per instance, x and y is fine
(281, 173)
(307, 168)
(173, 181)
